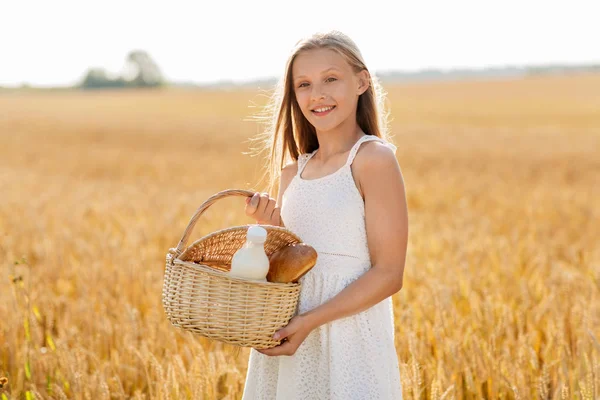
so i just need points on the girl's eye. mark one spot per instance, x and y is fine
(331, 79)
(303, 84)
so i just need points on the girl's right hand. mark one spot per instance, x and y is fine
(263, 209)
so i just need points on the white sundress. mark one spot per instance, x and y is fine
(349, 358)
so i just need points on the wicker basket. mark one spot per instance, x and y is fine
(199, 295)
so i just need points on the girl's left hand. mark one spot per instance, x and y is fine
(295, 331)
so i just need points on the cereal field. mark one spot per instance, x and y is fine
(501, 297)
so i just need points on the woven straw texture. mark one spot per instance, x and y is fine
(199, 295)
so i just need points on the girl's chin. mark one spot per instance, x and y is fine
(325, 127)
(324, 124)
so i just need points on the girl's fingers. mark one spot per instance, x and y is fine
(255, 200)
(275, 216)
(252, 205)
(263, 208)
(264, 204)
(269, 209)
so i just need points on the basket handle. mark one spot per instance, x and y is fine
(188, 231)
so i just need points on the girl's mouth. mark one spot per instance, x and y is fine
(322, 111)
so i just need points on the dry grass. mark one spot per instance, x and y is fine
(502, 285)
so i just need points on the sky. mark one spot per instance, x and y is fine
(53, 43)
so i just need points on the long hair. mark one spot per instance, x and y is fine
(288, 133)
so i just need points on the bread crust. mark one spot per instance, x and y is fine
(291, 263)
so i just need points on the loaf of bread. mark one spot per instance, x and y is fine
(291, 263)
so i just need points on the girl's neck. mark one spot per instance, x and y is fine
(338, 141)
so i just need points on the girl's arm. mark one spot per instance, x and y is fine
(386, 218)
(265, 209)
(287, 174)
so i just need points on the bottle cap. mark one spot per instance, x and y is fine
(257, 234)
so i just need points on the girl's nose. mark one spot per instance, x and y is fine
(317, 94)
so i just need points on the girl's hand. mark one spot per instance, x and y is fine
(263, 209)
(295, 332)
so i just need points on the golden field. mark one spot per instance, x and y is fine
(501, 297)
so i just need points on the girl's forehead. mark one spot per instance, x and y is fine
(317, 61)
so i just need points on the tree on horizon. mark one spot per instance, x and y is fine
(140, 71)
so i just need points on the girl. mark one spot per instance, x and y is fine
(344, 195)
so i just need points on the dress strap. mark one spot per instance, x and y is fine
(302, 161)
(367, 138)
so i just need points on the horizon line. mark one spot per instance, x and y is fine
(382, 74)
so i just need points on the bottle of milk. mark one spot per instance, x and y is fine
(251, 261)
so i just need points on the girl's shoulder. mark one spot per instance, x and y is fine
(290, 169)
(375, 157)
(376, 151)
(375, 168)
(288, 172)
(287, 175)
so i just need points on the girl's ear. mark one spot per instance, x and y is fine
(363, 81)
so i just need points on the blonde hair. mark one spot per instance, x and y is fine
(288, 133)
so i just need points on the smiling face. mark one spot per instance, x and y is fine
(327, 88)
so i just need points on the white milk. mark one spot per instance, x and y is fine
(251, 261)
